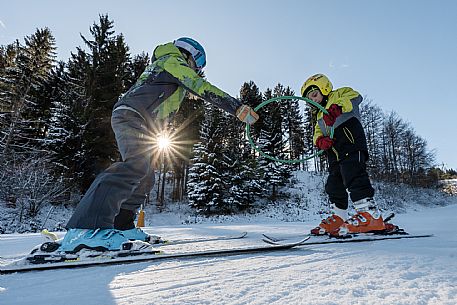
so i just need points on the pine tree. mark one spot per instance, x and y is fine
(308, 130)
(244, 185)
(271, 142)
(205, 184)
(248, 171)
(28, 68)
(250, 95)
(75, 103)
(293, 126)
(185, 133)
(38, 116)
(135, 67)
(8, 56)
(229, 163)
(282, 138)
(232, 164)
(64, 135)
(107, 74)
(53, 91)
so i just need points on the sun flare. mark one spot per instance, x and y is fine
(163, 142)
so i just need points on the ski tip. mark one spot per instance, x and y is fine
(269, 241)
(295, 243)
(270, 238)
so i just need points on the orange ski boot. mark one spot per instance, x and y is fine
(368, 219)
(331, 223)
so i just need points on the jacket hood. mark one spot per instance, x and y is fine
(166, 49)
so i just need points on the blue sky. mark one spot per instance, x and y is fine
(399, 53)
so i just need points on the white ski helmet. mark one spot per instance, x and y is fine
(194, 48)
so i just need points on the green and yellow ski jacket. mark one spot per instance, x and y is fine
(161, 88)
(349, 135)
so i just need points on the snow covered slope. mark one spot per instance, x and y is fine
(417, 271)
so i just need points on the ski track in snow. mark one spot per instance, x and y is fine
(411, 271)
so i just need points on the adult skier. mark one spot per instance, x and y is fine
(347, 154)
(104, 218)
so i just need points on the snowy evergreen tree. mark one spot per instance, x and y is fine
(244, 185)
(250, 95)
(197, 185)
(38, 116)
(28, 68)
(64, 136)
(308, 133)
(293, 127)
(271, 142)
(205, 185)
(8, 56)
(74, 121)
(185, 133)
(107, 74)
(135, 67)
(54, 92)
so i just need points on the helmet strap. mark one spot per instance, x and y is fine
(324, 100)
(189, 59)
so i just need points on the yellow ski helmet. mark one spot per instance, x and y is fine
(320, 81)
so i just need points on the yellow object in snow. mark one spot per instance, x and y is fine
(49, 235)
(140, 221)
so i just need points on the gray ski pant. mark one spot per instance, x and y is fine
(124, 184)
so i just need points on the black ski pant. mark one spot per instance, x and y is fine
(348, 175)
(121, 189)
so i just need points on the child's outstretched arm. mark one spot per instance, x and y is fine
(197, 85)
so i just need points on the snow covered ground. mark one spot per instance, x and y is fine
(413, 271)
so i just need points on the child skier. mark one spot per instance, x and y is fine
(347, 154)
(104, 218)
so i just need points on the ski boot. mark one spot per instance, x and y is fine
(125, 222)
(331, 223)
(87, 244)
(368, 219)
(139, 234)
(99, 240)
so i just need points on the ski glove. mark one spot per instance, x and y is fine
(246, 114)
(334, 111)
(324, 143)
